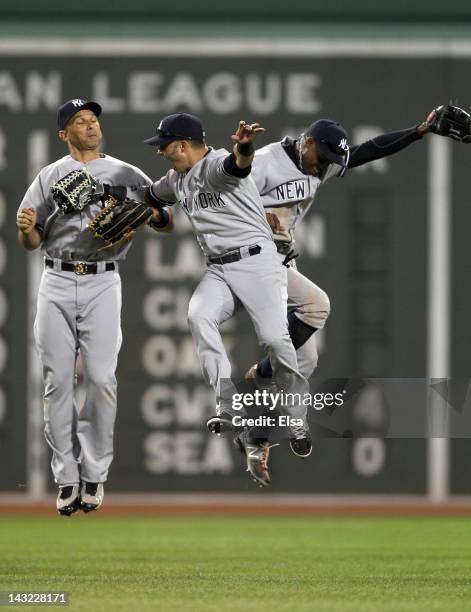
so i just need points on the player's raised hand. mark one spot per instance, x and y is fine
(247, 132)
(26, 220)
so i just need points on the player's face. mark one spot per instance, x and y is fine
(312, 162)
(83, 131)
(174, 152)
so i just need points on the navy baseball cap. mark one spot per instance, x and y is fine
(180, 126)
(331, 140)
(68, 110)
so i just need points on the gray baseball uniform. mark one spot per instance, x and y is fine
(227, 214)
(79, 313)
(289, 193)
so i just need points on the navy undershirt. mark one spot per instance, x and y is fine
(233, 169)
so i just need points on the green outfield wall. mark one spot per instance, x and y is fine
(365, 242)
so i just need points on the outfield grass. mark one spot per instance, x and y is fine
(208, 564)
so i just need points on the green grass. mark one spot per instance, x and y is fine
(208, 564)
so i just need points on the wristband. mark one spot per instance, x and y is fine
(246, 148)
(164, 219)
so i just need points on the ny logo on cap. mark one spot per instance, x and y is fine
(77, 102)
(343, 144)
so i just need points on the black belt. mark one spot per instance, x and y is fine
(81, 267)
(234, 255)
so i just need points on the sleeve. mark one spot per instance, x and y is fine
(163, 192)
(142, 178)
(140, 185)
(221, 178)
(231, 167)
(382, 146)
(38, 197)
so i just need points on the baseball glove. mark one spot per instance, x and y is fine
(450, 121)
(119, 220)
(76, 190)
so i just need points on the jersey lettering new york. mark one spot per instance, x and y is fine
(206, 199)
(292, 190)
(225, 212)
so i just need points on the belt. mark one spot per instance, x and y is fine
(236, 255)
(80, 267)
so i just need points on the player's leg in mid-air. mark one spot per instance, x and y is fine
(55, 318)
(308, 310)
(99, 339)
(309, 305)
(260, 284)
(211, 304)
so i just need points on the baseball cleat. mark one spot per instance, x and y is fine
(68, 500)
(257, 458)
(92, 496)
(219, 424)
(300, 441)
(223, 422)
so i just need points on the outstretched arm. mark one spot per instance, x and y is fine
(385, 145)
(449, 120)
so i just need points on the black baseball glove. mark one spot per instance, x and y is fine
(450, 121)
(119, 220)
(76, 190)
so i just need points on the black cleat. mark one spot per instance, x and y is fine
(68, 500)
(223, 422)
(302, 445)
(219, 424)
(92, 496)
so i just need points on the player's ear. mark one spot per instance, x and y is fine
(62, 135)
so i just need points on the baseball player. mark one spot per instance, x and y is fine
(78, 309)
(216, 191)
(288, 175)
